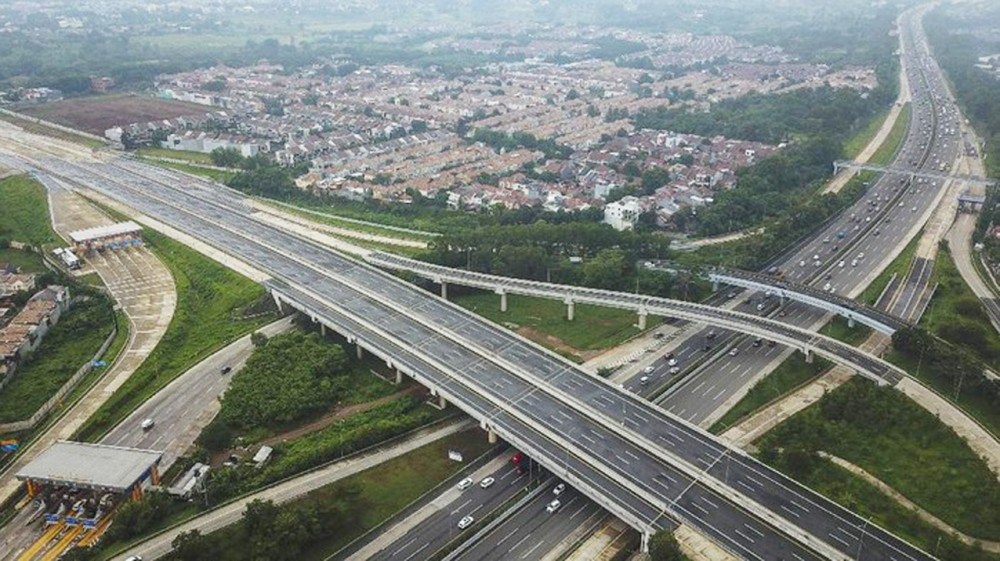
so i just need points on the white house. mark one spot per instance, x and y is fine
(623, 214)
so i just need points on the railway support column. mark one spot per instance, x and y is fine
(322, 329)
(850, 321)
(715, 285)
(642, 318)
(444, 290)
(359, 351)
(809, 356)
(491, 436)
(399, 376)
(277, 302)
(503, 300)
(442, 402)
(644, 546)
(569, 309)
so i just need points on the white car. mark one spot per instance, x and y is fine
(559, 489)
(734, 351)
(648, 369)
(465, 483)
(675, 370)
(841, 264)
(644, 380)
(465, 522)
(148, 424)
(487, 483)
(672, 362)
(553, 506)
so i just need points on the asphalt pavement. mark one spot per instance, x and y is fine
(186, 405)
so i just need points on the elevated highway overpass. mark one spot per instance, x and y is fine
(646, 466)
(806, 341)
(854, 311)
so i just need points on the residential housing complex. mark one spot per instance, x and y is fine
(392, 132)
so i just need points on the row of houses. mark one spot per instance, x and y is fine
(23, 333)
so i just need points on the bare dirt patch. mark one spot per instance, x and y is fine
(97, 114)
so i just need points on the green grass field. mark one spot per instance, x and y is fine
(210, 299)
(956, 315)
(28, 261)
(347, 223)
(208, 173)
(854, 145)
(195, 157)
(384, 490)
(867, 501)
(593, 328)
(788, 376)
(902, 444)
(25, 211)
(892, 142)
(71, 343)
(839, 329)
(900, 265)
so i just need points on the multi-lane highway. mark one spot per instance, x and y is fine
(850, 250)
(646, 467)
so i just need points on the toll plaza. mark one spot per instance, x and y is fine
(74, 488)
(112, 236)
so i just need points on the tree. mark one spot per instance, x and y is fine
(663, 546)
(606, 269)
(226, 157)
(192, 546)
(310, 99)
(572, 94)
(258, 339)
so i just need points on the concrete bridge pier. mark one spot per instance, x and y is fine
(570, 305)
(491, 436)
(642, 318)
(399, 376)
(322, 329)
(850, 321)
(277, 302)
(359, 351)
(503, 300)
(809, 356)
(444, 290)
(644, 545)
(715, 286)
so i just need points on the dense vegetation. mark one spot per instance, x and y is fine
(288, 377)
(952, 370)
(25, 212)
(321, 522)
(499, 140)
(767, 190)
(212, 307)
(897, 441)
(343, 437)
(770, 118)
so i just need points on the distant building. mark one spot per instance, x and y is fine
(623, 214)
(26, 330)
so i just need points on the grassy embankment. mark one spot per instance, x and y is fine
(593, 328)
(25, 212)
(211, 301)
(186, 155)
(897, 441)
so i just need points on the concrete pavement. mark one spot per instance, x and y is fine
(160, 544)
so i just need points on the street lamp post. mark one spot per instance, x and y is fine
(861, 540)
